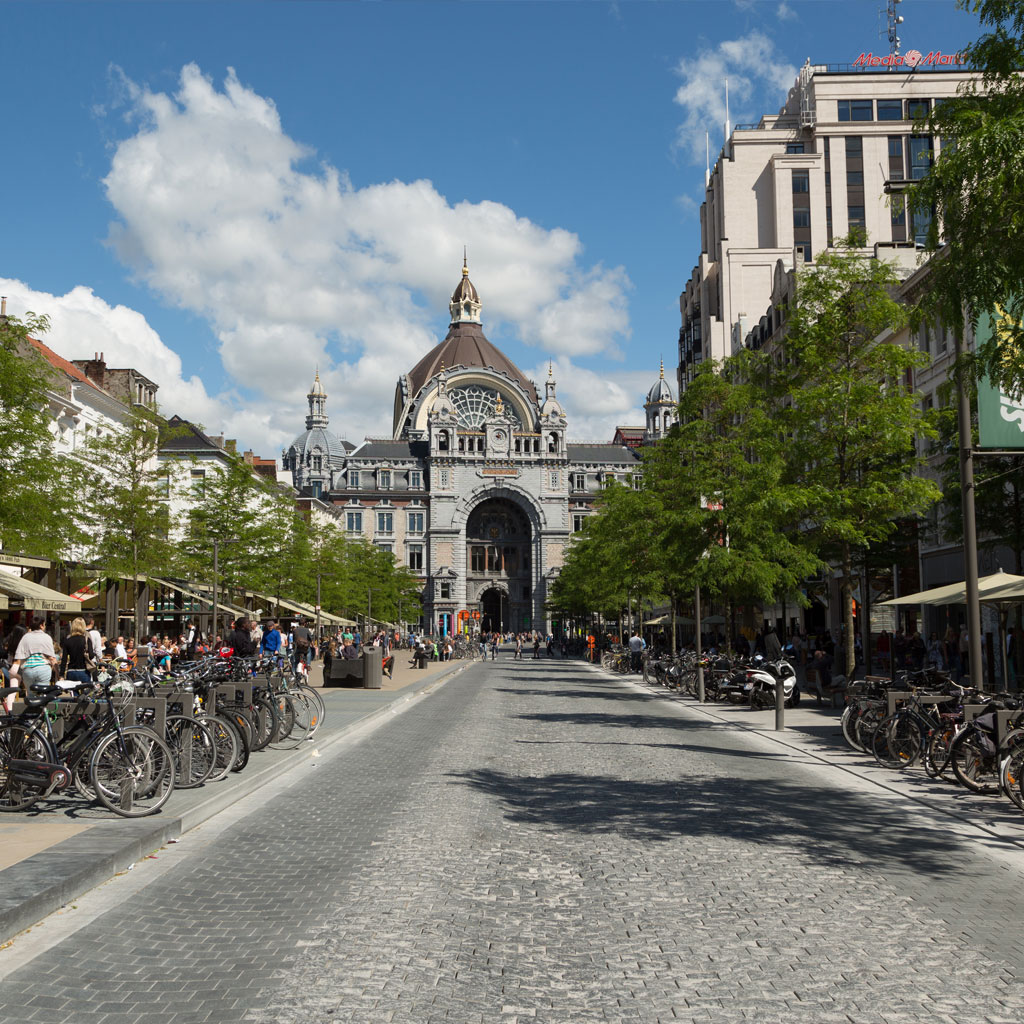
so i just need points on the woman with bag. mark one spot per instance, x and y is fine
(75, 662)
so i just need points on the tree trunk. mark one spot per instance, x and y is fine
(846, 590)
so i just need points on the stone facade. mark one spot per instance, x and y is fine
(478, 489)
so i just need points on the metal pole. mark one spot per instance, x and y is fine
(369, 619)
(213, 630)
(970, 526)
(700, 667)
(780, 706)
(318, 607)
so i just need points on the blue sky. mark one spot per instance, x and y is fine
(227, 195)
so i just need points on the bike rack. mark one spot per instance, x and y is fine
(1003, 719)
(902, 696)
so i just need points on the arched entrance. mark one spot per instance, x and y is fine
(499, 568)
(493, 611)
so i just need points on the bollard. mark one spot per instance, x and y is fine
(700, 682)
(780, 706)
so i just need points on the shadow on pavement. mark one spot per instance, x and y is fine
(837, 829)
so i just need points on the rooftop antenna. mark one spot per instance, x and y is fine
(894, 20)
(728, 125)
(707, 159)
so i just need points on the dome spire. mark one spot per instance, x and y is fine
(465, 305)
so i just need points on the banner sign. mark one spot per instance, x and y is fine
(1000, 414)
(910, 59)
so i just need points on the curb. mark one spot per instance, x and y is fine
(110, 849)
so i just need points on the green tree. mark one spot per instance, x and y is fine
(850, 421)
(124, 495)
(975, 190)
(38, 496)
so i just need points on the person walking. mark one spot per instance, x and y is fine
(74, 658)
(494, 646)
(536, 646)
(636, 651)
(518, 656)
(35, 658)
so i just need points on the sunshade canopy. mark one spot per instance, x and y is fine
(1000, 586)
(35, 596)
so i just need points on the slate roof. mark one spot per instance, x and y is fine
(182, 436)
(595, 451)
(385, 448)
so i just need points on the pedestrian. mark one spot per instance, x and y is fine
(965, 654)
(822, 664)
(494, 646)
(772, 647)
(518, 656)
(536, 646)
(936, 656)
(302, 640)
(74, 659)
(636, 651)
(95, 640)
(35, 658)
(240, 638)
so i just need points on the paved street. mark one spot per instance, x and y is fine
(537, 842)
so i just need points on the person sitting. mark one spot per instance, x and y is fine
(387, 666)
(349, 651)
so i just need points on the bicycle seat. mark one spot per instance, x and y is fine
(8, 690)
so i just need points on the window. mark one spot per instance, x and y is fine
(317, 488)
(317, 463)
(890, 110)
(163, 484)
(385, 479)
(389, 548)
(801, 181)
(854, 146)
(478, 558)
(415, 479)
(353, 478)
(919, 156)
(446, 591)
(385, 522)
(803, 252)
(855, 215)
(511, 557)
(199, 483)
(526, 592)
(415, 522)
(856, 110)
(921, 225)
(794, 147)
(579, 520)
(493, 559)
(553, 479)
(917, 109)
(801, 218)
(354, 522)
(855, 177)
(416, 556)
(443, 478)
(579, 481)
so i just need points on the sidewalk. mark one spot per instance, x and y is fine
(62, 847)
(813, 736)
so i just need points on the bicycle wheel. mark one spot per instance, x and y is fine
(132, 772)
(310, 693)
(194, 749)
(241, 735)
(897, 742)
(937, 749)
(866, 725)
(849, 725)
(266, 721)
(1011, 768)
(226, 744)
(973, 768)
(22, 743)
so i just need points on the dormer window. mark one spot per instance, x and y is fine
(442, 441)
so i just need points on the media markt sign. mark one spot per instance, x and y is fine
(1000, 414)
(910, 59)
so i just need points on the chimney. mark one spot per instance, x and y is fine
(217, 439)
(249, 457)
(231, 445)
(95, 369)
(3, 305)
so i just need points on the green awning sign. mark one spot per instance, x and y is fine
(1000, 414)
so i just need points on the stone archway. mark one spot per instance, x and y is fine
(499, 539)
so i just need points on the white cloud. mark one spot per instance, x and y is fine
(784, 12)
(758, 78)
(596, 403)
(223, 214)
(82, 324)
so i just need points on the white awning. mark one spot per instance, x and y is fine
(34, 596)
(1000, 586)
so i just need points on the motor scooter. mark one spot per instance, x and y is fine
(761, 679)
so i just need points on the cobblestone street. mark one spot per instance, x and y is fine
(536, 842)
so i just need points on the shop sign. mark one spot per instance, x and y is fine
(1000, 413)
(910, 59)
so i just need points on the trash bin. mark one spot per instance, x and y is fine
(372, 673)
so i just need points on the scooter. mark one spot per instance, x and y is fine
(761, 679)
